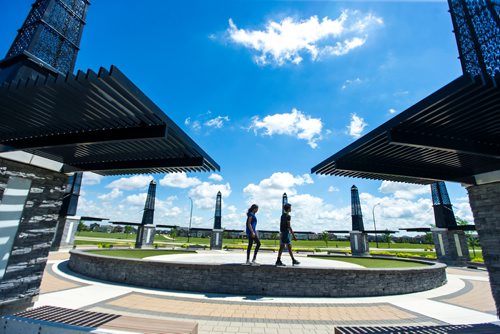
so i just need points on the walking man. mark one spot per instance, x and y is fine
(286, 235)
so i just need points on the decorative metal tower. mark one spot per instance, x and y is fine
(46, 45)
(357, 215)
(476, 26)
(449, 239)
(284, 201)
(216, 238)
(48, 42)
(443, 211)
(218, 209)
(358, 236)
(146, 231)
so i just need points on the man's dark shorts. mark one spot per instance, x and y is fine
(286, 238)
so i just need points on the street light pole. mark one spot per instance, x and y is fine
(375, 225)
(190, 217)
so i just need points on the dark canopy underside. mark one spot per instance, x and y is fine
(95, 122)
(451, 135)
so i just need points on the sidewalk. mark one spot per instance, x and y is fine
(465, 299)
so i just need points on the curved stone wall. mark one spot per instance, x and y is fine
(264, 280)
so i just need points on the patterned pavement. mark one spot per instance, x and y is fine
(467, 296)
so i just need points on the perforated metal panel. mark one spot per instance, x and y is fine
(52, 32)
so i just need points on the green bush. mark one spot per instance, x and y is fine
(478, 258)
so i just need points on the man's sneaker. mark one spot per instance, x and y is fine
(255, 263)
(279, 263)
(295, 262)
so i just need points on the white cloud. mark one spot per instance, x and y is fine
(332, 189)
(231, 216)
(392, 111)
(217, 122)
(179, 180)
(305, 207)
(90, 179)
(461, 208)
(356, 126)
(216, 177)
(349, 83)
(114, 193)
(204, 194)
(294, 123)
(270, 191)
(404, 190)
(289, 40)
(195, 125)
(401, 93)
(130, 183)
(136, 199)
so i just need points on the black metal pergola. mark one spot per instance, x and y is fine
(98, 122)
(452, 135)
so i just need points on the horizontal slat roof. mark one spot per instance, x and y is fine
(98, 122)
(451, 135)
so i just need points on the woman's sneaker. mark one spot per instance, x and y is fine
(255, 263)
(295, 262)
(279, 263)
(248, 263)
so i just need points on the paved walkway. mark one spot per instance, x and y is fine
(465, 299)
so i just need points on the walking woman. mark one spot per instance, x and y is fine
(252, 233)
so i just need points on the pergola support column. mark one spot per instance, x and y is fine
(30, 207)
(485, 204)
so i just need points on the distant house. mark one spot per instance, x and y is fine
(233, 234)
(106, 228)
(200, 232)
(118, 229)
(300, 235)
(268, 234)
(94, 227)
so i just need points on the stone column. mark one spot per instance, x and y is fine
(29, 211)
(485, 204)
(68, 235)
(359, 243)
(145, 236)
(216, 239)
(451, 246)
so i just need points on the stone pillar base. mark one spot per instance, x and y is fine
(359, 243)
(216, 239)
(451, 246)
(68, 235)
(145, 236)
(485, 205)
(18, 305)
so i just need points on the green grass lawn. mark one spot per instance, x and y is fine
(128, 240)
(375, 263)
(265, 242)
(118, 243)
(136, 253)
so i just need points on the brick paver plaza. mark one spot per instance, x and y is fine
(465, 299)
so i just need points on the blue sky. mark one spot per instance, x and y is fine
(268, 89)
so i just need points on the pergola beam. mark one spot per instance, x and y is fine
(135, 164)
(85, 137)
(425, 140)
(402, 170)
